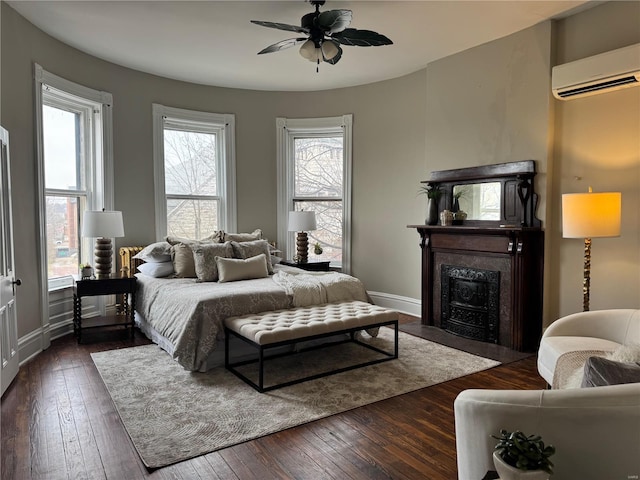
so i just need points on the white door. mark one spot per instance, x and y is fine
(8, 282)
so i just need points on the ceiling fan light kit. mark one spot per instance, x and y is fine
(325, 32)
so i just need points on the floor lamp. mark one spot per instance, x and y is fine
(302, 222)
(590, 215)
(103, 226)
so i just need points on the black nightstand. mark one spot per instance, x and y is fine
(309, 266)
(104, 286)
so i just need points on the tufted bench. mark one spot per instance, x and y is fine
(273, 329)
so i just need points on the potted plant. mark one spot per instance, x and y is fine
(86, 271)
(517, 456)
(433, 193)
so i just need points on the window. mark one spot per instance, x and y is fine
(314, 158)
(73, 153)
(194, 172)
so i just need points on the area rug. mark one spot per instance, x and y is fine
(172, 415)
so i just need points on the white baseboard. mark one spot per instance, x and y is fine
(410, 306)
(30, 345)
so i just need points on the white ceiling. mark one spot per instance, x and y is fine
(213, 43)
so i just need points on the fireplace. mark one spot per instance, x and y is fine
(482, 277)
(470, 302)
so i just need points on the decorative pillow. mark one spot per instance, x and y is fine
(182, 257)
(242, 237)
(232, 269)
(155, 253)
(244, 250)
(599, 372)
(156, 269)
(204, 258)
(216, 237)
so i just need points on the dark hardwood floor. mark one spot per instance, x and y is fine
(58, 422)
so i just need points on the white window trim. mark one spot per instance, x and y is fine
(285, 129)
(103, 187)
(226, 122)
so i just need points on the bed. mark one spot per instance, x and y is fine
(185, 316)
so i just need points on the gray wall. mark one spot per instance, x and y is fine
(485, 105)
(597, 143)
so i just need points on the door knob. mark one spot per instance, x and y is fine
(17, 282)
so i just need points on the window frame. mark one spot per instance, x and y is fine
(287, 130)
(100, 179)
(203, 122)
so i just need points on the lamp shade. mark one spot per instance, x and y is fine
(591, 215)
(102, 224)
(302, 221)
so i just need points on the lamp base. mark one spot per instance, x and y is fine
(103, 254)
(586, 278)
(302, 247)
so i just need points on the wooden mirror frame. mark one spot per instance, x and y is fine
(518, 200)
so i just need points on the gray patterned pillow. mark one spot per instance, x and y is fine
(204, 259)
(242, 237)
(246, 250)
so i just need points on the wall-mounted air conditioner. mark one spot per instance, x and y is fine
(602, 73)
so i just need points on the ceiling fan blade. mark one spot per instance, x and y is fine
(337, 57)
(281, 26)
(361, 38)
(276, 47)
(333, 21)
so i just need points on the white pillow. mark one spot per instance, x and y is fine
(156, 269)
(232, 269)
(155, 253)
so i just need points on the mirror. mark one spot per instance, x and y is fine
(480, 201)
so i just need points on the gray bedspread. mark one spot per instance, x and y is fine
(190, 314)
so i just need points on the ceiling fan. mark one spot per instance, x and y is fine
(325, 32)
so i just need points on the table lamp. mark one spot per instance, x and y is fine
(103, 226)
(590, 215)
(302, 222)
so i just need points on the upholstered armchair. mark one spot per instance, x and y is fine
(576, 337)
(596, 431)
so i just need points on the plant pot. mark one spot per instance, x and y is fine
(507, 472)
(432, 212)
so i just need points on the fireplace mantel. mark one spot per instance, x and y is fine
(496, 255)
(517, 253)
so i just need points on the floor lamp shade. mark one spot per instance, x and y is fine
(590, 215)
(103, 226)
(302, 222)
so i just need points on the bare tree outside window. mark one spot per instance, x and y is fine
(318, 187)
(191, 183)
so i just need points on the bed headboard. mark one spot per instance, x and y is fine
(128, 264)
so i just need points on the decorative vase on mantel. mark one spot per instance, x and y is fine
(432, 212)
(507, 472)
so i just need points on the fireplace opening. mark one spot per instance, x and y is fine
(470, 302)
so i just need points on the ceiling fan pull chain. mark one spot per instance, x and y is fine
(318, 66)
